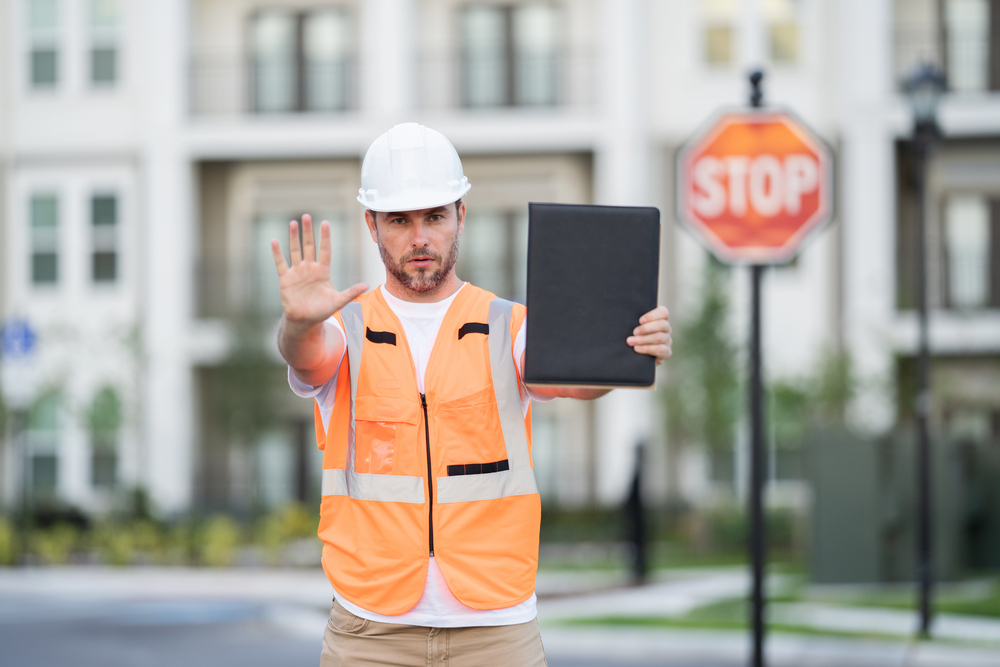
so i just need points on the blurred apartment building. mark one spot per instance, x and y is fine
(149, 151)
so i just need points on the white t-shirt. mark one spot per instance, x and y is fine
(437, 607)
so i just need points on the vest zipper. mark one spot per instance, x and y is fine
(430, 479)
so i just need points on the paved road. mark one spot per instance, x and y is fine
(188, 633)
(90, 617)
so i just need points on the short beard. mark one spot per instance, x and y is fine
(424, 281)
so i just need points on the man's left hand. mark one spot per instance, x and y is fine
(652, 336)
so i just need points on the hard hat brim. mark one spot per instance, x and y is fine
(412, 200)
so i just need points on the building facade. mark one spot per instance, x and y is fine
(150, 150)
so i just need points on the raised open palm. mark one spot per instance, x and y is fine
(308, 296)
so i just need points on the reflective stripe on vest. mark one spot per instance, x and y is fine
(365, 486)
(518, 480)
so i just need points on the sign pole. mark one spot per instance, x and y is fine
(925, 556)
(752, 185)
(758, 545)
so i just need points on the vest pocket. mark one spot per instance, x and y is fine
(380, 427)
(469, 431)
(375, 447)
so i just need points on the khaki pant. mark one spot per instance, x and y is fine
(350, 641)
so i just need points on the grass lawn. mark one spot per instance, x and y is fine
(973, 598)
(726, 615)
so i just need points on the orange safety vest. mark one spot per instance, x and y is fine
(447, 472)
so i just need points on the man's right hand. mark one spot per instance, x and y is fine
(307, 293)
(308, 299)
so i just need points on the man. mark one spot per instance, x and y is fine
(430, 513)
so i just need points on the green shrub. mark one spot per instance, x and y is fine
(147, 536)
(276, 529)
(55, 545)
(8, 542)
(182, 542)
(220, 537)
(728, 529)
(298, 521)
(114, 542)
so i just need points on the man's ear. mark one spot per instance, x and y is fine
(461, 218)
(370, 221)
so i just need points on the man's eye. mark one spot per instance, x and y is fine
(435, 218)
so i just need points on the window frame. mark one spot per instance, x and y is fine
(38, 244)
(113, 234)
(300, 67)
(40, 41)
(509, 58)
(104, 38)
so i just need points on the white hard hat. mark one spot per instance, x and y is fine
(411, 167)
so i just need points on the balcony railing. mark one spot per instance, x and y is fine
(229, 87)
(564, 79)
(232, 87)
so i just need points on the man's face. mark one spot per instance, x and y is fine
(419, 248)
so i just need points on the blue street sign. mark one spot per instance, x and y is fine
(17, 339)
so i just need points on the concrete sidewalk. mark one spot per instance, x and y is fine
(684, 590)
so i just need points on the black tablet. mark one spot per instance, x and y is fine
(592, 272)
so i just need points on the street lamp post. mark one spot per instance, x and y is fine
(924, 88)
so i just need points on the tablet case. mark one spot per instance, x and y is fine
(592, 272)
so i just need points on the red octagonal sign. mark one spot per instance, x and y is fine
(753, 185)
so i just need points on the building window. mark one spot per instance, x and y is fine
(301, 61)
(971, 227)
(718, 34)
(509, 55)
(104, 422)
(44, 239)
(43, 30)
(967, 44)
(782, 30)
(104, 227)
(43, 446)
(495, 252)
(104, 16)
(326, 54)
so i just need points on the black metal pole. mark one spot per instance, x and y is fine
(19, 419)
(924, 135)
(758, 544)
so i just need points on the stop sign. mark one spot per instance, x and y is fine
(753, 185)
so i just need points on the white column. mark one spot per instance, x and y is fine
(388, 59)
(621, 166)
(387, 78)
(6, 37)
(868, 193)
(166, 461)
(751, 40)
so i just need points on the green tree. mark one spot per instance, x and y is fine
(105, 413)
(244, 400)
(702, 393)
(819, 399)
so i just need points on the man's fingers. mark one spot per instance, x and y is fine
(661, 352)
(324, 243)
(308, 240)
(350, 294)
(654, 326)
(294, 247)
(658, 313)
(649, 339)
(279, 257)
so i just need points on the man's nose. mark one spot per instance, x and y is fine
(419, 238)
